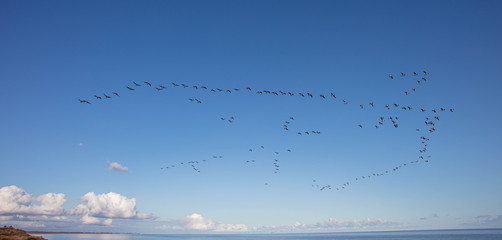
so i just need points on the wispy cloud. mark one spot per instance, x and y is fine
(485, 221)
(429, 217)
(115, 166)
(331, 224)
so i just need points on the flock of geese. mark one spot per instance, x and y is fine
(430, 122)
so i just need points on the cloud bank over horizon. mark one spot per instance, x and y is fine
(197, 222)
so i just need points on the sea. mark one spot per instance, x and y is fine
(484, 234)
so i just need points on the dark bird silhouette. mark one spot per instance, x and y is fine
(322, 96)
(132, 89)
(84, 101)
(149, 84)
(333, 95)
(392, 77)
(116, 94)
(402, 74)
(106, 96)
(248, 88)
(174, 84)
(371, 103)
(361, 126)
(136, 84)
(97, 97)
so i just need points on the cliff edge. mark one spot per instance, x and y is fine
(10, 233)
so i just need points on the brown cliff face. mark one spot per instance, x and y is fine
(10, 233)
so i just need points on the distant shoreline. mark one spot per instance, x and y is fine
(278, 233)
(48, 232)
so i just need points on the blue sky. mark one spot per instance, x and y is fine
(56, 52)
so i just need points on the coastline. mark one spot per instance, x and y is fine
(270, 233)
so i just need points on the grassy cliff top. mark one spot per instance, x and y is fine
(10, 233)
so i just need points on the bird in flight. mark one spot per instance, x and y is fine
(84, 101)
(132, 89)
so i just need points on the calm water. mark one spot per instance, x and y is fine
(413, 235)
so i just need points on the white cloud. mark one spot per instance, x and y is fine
(109, 205)
(86, 219)
(198, 223)
(19, 207)
(117, 167)
(107, 222)
(14, 200)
